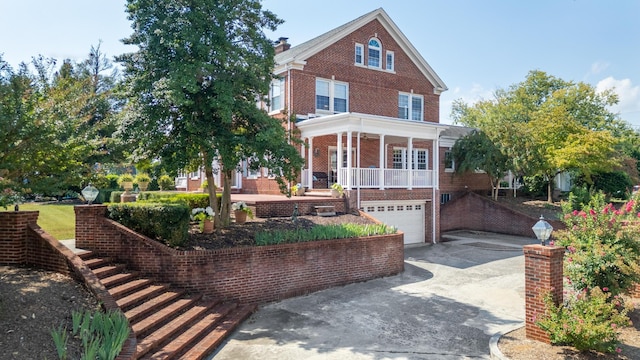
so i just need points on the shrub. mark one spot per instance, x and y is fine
(115, 196)
(142, 177)
(113, 181)
(603, 251)
(534, 186)
(322, 232)
(125, 178)
(588, 321)
(579, 197)
(164, 222)
(166, 183)
(191, 200)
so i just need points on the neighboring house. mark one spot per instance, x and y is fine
(366, 105)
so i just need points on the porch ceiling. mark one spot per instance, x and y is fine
(371, 125)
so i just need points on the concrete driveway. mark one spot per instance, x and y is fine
(450, 300)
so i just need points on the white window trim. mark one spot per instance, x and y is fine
(414, 161)
(393, 61)
(271, 110)
(453, 162)
(332, 84)
(379, 67)
(361, 47)
(411, 96)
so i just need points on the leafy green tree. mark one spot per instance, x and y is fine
(476, 151)
(194, 83)
(546, 125)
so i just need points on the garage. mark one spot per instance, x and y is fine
(407, 216)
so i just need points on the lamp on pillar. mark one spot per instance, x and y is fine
(90, 193)
(543, 230)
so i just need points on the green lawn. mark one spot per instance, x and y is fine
(58, 220)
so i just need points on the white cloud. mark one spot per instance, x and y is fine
(470, 96)
(628, 95)
(598, 67)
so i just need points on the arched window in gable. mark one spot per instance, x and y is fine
(375, 49)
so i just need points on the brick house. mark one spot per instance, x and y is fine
(366, 105)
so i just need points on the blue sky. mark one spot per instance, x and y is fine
(475, 46)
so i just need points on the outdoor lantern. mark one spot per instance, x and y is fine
(543, 230)
(90, 193)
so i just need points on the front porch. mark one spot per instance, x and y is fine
(385, 153)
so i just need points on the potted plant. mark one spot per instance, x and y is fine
(166, 183)
(337, 190)
(204, 216)
(126, 182)
(297, 189)
(241, 211)
(142, 180)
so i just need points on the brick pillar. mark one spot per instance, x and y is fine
(13, 235)
(543, 274)
(88, 220)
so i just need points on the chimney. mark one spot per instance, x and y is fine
(282, 45)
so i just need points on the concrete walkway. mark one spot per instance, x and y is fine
(447, 304)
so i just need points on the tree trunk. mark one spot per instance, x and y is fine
(226, 196)
(549, 190)
(211, 189)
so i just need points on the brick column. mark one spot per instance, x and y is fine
(13, 235)
(543, 274)
(88, 220)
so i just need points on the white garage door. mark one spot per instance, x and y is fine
(407, 216)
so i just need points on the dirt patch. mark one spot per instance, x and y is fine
(32, 303)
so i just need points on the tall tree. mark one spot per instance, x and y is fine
(194, 82)
(476, 151)
(546, 125)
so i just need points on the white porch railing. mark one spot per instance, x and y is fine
(369, 178)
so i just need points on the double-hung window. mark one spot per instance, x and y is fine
(449, 163)
(390, 63)
(410, 106)
(276, 95)
(332, 96)
(375, 49)
(359, 54)
(418, 159)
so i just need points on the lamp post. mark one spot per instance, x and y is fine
(543, 230)
(90, 193)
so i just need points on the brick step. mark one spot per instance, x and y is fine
(96, 262)
(152, 305)
(161, 315)
(139, 296)
(118, 278)
(213, 339)
(169, 329)
(84, 254)
(106, 271)
(191, 335)
(129, 287)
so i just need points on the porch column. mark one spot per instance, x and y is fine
(339, 179)
(310, 163)
(349, 165)
(382, 163)
(435, 173)
(410, 163)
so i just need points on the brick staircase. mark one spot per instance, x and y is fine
(168, 323)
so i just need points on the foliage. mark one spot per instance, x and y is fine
(57, 125)
(614, 184)
(189, 199)
(115, 196)
(202, 214)
(102, 334)
(164, 222)
(476, 151)
(545, 125)
(579, 197)
(242, 206)
(142, 177)
(166, 183)
(338, 187)
(322, 232)
(125, 178)
(8, 196)
(603, 245)
(193, 87)
(590, 320)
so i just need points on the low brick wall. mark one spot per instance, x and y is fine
(475, 212)
(249, 275)
(23, 242)
(306, 206)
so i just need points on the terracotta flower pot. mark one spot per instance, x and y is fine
(241, 216)
(207, 227)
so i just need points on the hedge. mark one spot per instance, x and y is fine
(168, 223)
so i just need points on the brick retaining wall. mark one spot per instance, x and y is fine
(250, 274)
(475, 212)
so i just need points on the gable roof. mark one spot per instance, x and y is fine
(297, 55)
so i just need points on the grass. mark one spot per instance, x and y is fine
(58, 220)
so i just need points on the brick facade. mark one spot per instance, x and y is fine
(256, 274)
(543, 275)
